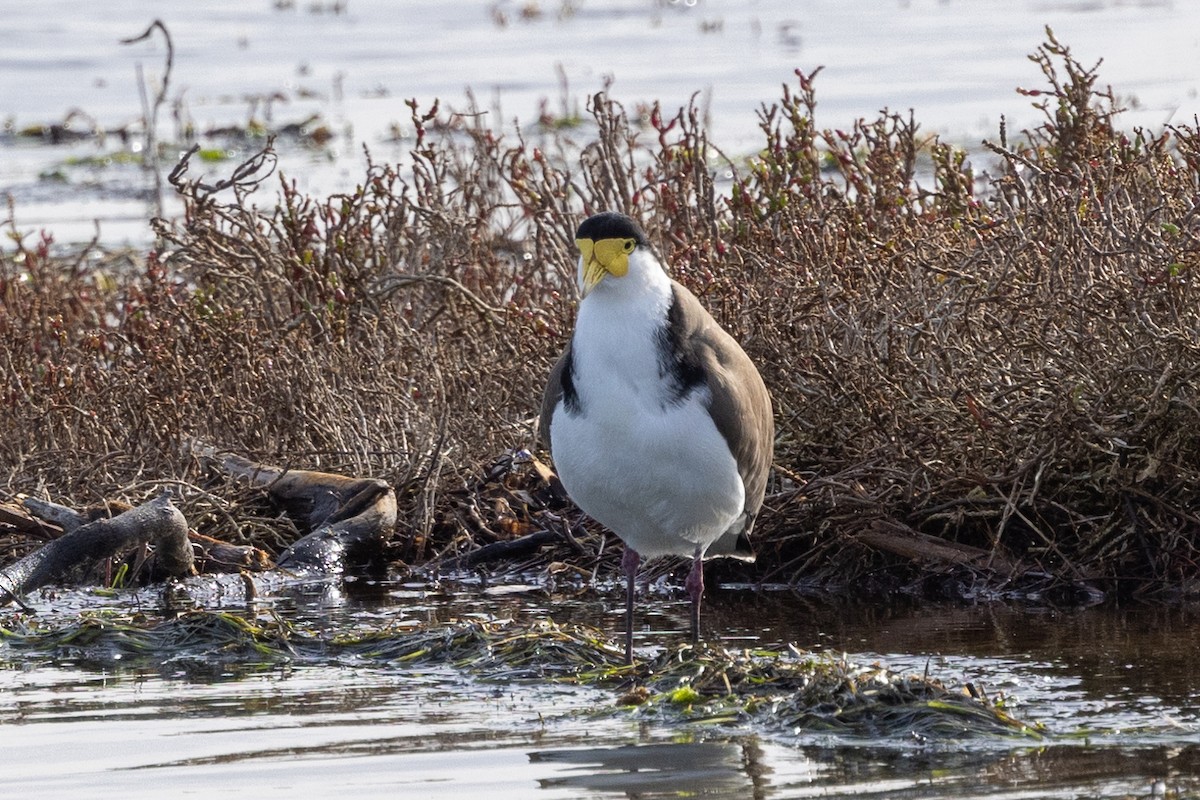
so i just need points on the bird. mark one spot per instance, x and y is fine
(659, 425)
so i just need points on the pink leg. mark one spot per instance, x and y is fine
(695, 589)
(629, 563)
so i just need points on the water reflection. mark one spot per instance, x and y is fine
(747, 767)
(711, 769)
(1051, 772)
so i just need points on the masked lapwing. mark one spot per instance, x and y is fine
(658, 422)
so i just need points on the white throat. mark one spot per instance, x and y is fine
(645, 280)
(616, 332)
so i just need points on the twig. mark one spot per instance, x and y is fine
(150, 110)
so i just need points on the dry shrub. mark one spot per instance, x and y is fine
(1014, 370)
(1008, 362)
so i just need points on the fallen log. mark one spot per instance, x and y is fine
(65, 517)
(215, 557)
(348, 522)
(20, 520)
(210, 556)
(500, 551)
(157, 522)
(349, 519)
(901, 540)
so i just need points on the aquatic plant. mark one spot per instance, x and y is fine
(788, 693)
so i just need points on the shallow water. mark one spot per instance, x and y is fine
(956, 63)
(1116, 690)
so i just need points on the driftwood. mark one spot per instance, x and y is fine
(1000, 574)
(215, 557)
(54, 517)
(157, 522)
(21, 521)
(349, 519)
(499, 551)
(901, 540)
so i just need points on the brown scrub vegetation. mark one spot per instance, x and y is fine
(985, 382)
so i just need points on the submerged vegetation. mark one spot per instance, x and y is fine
(783, 691)
(985, 382)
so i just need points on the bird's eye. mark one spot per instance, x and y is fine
(629, 243)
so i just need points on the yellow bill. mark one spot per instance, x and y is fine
(602, 258)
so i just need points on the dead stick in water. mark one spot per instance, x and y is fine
(157, 521)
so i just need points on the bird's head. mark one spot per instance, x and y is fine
(607, 241)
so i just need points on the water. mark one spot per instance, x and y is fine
(1116, 690)
(956, 63)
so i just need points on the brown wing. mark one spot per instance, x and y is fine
(554, 392)
(740, 404)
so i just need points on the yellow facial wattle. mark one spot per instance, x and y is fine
(602, 258)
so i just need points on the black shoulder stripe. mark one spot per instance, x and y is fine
(678, 363)
(569, 395)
